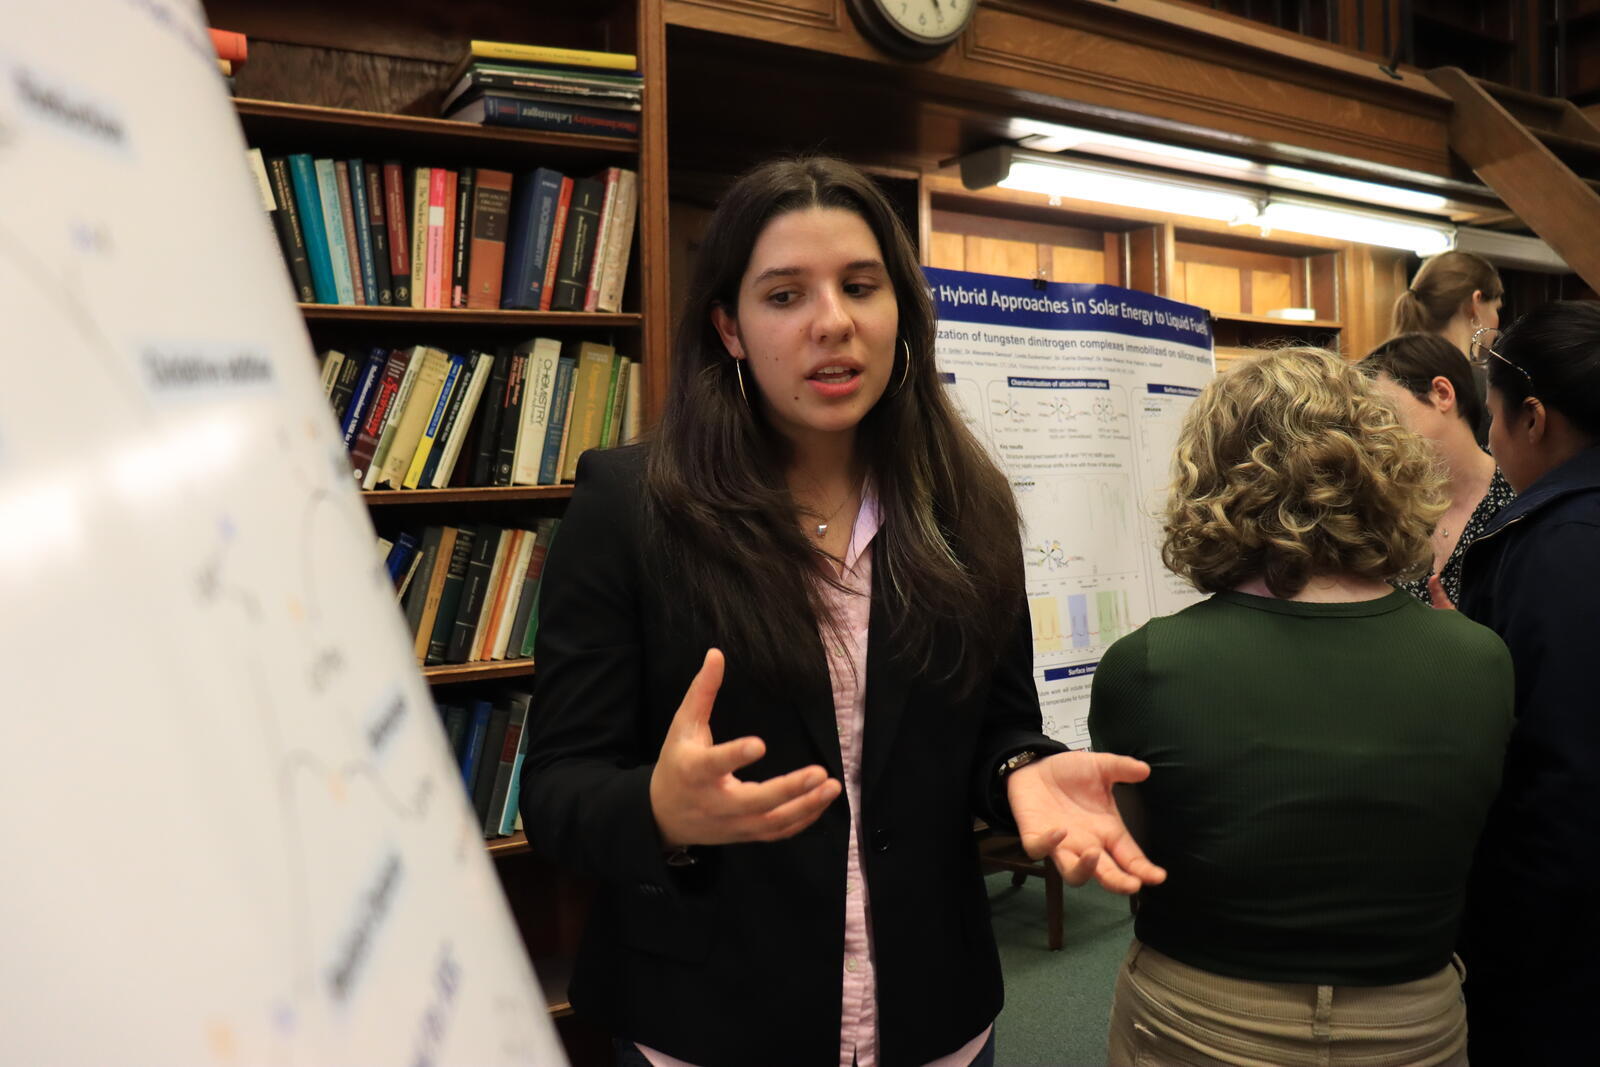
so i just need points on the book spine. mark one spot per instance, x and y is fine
(362, 218)
(348, 219)
(476, 731)
(489, 763)
(539, 382)
(380, 455)
(633, 409)
(509, 747)
(292, 231)
(427, 561)
(452, 412)
(611, 412)
(541, 551)
(472, 593)
(371, 432)
(555, 423)
(435, 246)
(614, 408)
(548, 54)
(502, 110)
(608, 219)
(582, 220)
(421, 179)
(515, 580)
(308, 199)
(361, 399)
(338, 251)
(419, 458)
(456, 435)
(433, 596)
(450, 595)
(558, 240)
(331, 362)
(461, 249)
(511, 419)
(588, 406)
(378, 235)
(235, 47)
(447, 248)
(491, 203)
(508, 820)
(619, 241)
(488, 451)
(394, 214)
(547, 198)
(349, 374)
(414, 419)
(487, 638)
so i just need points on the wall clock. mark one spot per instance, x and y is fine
(914, 29)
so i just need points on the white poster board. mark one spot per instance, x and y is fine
(230, 828)
(1079, 392)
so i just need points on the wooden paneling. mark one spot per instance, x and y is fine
(990, 255)
(1211, 286)
(947, 251)
(1078, 265)
(1270, 290)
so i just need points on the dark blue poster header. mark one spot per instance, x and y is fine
(995, 300)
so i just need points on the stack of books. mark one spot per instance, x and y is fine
(490, 740)
(424, 418)
(538, 87)
(358, 232)
(233, 50)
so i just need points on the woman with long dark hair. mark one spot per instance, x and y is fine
(784, 659)
(1532, 930)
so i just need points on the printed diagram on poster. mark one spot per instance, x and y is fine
(1079, 392)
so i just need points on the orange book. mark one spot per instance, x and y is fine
(486, 252)
(448, 255)
(230, 45)
(496, 600)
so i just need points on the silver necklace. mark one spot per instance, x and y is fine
(822, 527)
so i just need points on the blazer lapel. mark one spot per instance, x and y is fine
(888, 688)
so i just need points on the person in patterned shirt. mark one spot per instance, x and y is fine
(1430, 385)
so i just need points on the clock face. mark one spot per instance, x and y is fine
(914, 28)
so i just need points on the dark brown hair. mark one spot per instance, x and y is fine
(1414, 360)
(1444, 283)
(1554, 354)
(948, 549)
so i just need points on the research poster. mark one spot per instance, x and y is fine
(1079, 392)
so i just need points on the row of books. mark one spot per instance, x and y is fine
(470, 593)
(544, 88)
(358, 232)
(521, 416)
(489, 739)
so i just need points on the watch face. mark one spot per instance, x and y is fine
(928, 21)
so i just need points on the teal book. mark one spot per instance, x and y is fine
(333, 223)
(363, 228)
(308, 199)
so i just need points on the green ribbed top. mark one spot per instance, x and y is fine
(1319, 777)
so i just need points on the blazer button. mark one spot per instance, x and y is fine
(881, 839)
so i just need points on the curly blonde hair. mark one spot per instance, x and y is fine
(1290, 466)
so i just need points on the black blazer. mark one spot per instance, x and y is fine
(1532, 926)
(739, 958)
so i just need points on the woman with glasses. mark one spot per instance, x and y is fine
(1323, 747)
(1453, 296)
(1532, 932)
(1430, 385)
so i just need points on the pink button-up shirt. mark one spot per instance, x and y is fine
(847, 669)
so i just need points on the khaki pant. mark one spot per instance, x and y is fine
(1166, 1012)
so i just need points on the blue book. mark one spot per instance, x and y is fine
(333, 222)
(533, 219)
(307, 198)
(365, 392)
(430, 442)
(555, 423)
(461, 376)
(362, 212)
(479, 727)
(399, 558)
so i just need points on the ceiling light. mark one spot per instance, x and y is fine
(1359, 227)
(1032, 172)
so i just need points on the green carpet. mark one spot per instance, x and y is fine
(1057, 1003)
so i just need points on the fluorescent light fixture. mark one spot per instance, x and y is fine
(1036, 173)
(1374, 193)
(1360, 227)
(1511, 250)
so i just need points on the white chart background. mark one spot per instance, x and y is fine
(230, 828)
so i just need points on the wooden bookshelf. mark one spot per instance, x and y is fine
(482, 494)
(496, 671)
(406, 316)
(515, 845)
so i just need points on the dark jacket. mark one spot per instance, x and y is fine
(1532, 930)
(739, 958)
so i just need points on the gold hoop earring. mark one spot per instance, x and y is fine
(905, 372)
(738, 372)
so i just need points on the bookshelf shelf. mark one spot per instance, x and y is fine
(401, 316)
(555, 976)
(515, 845)
(497, 494)
(274, 119)
(1290, 324)
(456, 673)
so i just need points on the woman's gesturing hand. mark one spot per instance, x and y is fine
(1063, 809)
(693, 792)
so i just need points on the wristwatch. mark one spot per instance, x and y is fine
(1019, 761)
